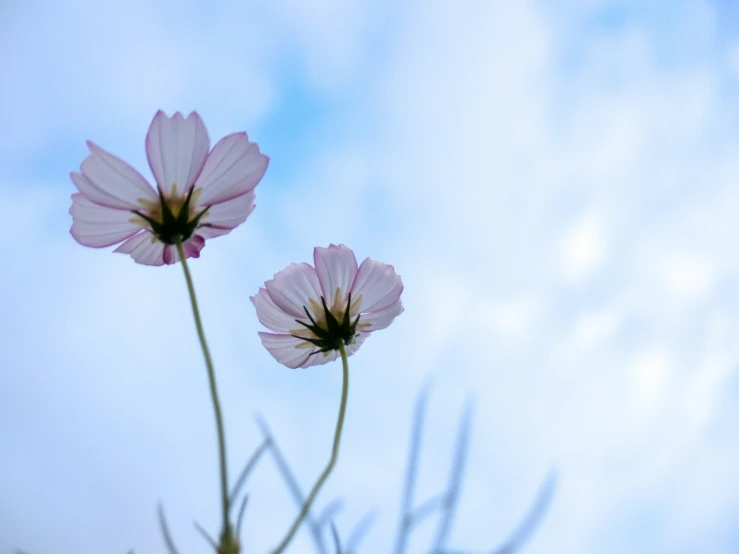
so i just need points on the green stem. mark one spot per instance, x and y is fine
(226, 533)
(331, 462)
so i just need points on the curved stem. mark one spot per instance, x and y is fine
(331, 462)
(226, 533)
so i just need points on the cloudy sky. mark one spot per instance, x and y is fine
(556, 182)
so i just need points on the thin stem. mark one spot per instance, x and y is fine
(171, 548)
(226, 534)
(248, 468)
(407, 518)
(451, 496)
(292, 483)
(331, 462)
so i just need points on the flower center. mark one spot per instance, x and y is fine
(331, 333)
(168, 227)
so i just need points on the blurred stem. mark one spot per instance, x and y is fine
(334, 456)
(226, 535)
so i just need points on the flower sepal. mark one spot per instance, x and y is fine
(335, 333)
(173, 228)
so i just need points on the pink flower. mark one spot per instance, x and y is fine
(200, 194)
(313, 309)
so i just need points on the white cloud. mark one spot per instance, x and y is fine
(688, 273)
(651, 371)
(583, 247)
(512, 319)
(591, 332)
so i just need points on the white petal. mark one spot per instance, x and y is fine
(294, 287)
(320, 358)
(221, 219)
(170, 255)
(374, 321)
(271, 316)
(192, 248)
(377, 284)
(286, 349)
(128, 246)
(176, 148)
(233, 167)
(109, 181)
(212, 232)
(144, 249)
(97, 226)
(358, 340)
(336, 267)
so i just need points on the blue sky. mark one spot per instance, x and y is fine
(555, 182)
